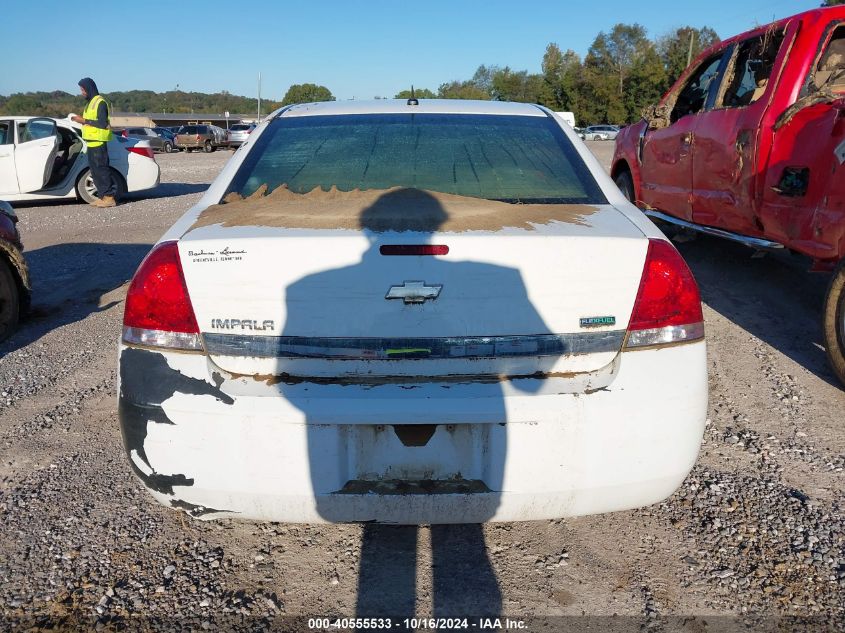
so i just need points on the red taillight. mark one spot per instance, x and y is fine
(198, 137)
(158, 297)
(141, 151)
(414, 249)
(668, 305)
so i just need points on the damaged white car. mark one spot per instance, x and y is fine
(433, 312)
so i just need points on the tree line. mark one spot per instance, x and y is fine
(59, 103)
(623, 72)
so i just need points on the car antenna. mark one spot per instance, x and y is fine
(413, 100)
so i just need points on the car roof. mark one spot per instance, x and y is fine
(61, 122)
(400, 106)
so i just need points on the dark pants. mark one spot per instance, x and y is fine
(98, 161)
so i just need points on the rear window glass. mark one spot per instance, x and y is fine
(188, 129)
(512, 158)
(239, 127)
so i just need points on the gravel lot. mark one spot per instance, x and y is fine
(756, 531)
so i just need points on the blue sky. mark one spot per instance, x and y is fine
(356, 48)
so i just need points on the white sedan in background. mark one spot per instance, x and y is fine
(44, 159)
(601, 133)
(432, 312)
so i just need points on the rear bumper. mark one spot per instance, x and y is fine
(523, 450)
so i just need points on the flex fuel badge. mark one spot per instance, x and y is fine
(598, 321)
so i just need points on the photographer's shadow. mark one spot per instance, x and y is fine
(372, 470)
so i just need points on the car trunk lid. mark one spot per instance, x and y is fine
(337, 289)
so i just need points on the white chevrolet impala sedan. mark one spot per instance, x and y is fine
(433, 312)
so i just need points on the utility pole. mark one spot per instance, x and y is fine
(259, 98)
(691, 42)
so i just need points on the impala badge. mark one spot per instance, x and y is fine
(413, 292)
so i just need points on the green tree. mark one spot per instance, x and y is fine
(462, 90)
(511, 85)
(622, 74)
(419, 93)
(674, 49)
(562, 74)
(552, 68)
(307, 93)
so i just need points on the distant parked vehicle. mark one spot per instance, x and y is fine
(219, 135)
(166, 132)
(601, 133)
(202, 137)
(238, 134)
(157, 141)
(580, 132)
(14, 275)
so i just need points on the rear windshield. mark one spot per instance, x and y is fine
(189, 129)
(239, 127)
(524, 159)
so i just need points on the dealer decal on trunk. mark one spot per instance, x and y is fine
(223, 255)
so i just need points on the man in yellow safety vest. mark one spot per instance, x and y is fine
(96, 132)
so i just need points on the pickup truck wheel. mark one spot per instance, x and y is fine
(833, 322)
(168, 147)
(625, 183)
(208, 147)
(9, 301)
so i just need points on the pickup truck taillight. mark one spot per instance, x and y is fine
(668, 305)
(158, 310)
(142, 151)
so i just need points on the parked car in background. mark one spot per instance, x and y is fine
(432, 313)
(157, 140)
(601, 133)
(194, 137)
(580, 132)
(219, 135)
(14, 275)
(238, 134)
(749, 145)
(168, 134)
(45, 159)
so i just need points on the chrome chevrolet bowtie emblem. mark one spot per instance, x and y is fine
(413, 292)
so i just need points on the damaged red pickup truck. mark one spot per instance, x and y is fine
(749, 144)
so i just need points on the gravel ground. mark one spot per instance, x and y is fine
(756, 532)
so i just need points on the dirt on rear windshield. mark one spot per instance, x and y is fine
(381, 210)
